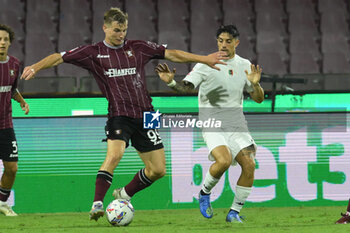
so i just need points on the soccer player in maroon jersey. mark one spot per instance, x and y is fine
(345, 218)
(117, 65)
(9, 71)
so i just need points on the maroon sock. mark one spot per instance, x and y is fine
(103, 182)
(348, 209)
(139, 182)
(4, 194)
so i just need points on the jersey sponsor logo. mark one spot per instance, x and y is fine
(102, 56)
(13, 155)
(5, 88)
(120, 72)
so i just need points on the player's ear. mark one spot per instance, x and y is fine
(237, 42)
(104, 27)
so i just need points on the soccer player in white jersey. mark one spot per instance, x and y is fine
(221, 97)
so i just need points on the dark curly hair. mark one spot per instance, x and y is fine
(230, 29)
(8, 29)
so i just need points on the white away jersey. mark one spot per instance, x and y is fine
(229, 82)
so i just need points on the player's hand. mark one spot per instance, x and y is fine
(28, 73)
(214, 58)
(255, 75)
(164, 73)
(217, 96)
(25, 107)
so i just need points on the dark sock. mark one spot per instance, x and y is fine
(348, 209)
(139, 182)
(103, 182)
(4, 194)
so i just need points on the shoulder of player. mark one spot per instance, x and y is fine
(200, 67)
(241, 61)
(135, 44)
(14, 60)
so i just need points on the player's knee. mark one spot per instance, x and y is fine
(11, 171)
(224, 162)
(158, 173)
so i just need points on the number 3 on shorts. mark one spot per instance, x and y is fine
(14, 145)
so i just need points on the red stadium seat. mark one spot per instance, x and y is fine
(304, 62)
(273, 63)
(336, 62)
(142, 20)
(206, 18)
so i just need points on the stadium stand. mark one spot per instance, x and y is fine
(206, 17)
(14, 16)
(286, 37)
(173, 28)
(71, 36)
(49, 85)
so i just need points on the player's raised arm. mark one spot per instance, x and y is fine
(167, 76)
(185, 57)
(49, 61)
(254, 78)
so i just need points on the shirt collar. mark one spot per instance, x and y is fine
(7, 59)
(113, 47)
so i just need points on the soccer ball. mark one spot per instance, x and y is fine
(120, 212)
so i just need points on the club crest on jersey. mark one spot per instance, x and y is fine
(230, 72)
(12, 72)
(129, 53)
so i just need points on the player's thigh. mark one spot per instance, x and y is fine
(219, 150)
(8, 145)
(154, 160)
(119, 128)
(115, 148)
(222, 154)
(145, 140)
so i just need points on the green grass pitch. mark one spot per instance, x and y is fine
(259, 220)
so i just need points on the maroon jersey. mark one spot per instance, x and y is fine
(119, 72)
(9, 71)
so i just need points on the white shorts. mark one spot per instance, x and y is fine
(235, 141)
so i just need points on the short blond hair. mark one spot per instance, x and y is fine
(115, 14)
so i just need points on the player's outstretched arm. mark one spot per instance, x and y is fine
(49, 61)
(185, 57)
(167, 76)
(19, 98)
(254, 77)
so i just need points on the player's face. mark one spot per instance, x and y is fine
(115, 33)
(227, 44)
(4, 42)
